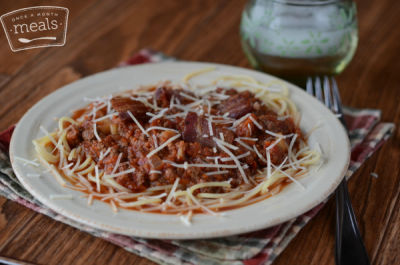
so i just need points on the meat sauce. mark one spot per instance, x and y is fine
(196, 144)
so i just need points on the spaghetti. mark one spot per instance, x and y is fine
(171, 150)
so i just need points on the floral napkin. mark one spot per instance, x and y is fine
(367, 134)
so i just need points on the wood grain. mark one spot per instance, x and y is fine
(102, 34)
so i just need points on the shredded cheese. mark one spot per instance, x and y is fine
(210, 126)
(231, 146)
(258, 154)
(158, 115)
(117, 164)
(137, 123)
(113, 206)
(90, 199)
(217, 172)
(248, 138)
(172, 191)
(186, 219)
(96, 170)
(95, 132)
(106, 117)
(161, 128)
(255, 122)
(237, 162)
(155, 140)
(131, 170)
(188, 96)
(198, 165)
(225, 159)
(274, 143)
(268, 164)
(278, 135)
(243, 144)
(102, 156)
(170, 140)
(237, 122)
(190, 195)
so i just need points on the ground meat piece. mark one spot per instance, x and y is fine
(163, 96)
(165, 135)
(229, 136)
(170, 175)
(138, 148)
(92, 149)
(87, 131)
(154, 176)
(155, 162)
(193, 175)
(190, 132)
(193, 149)
(278, 152)
(123, 105)
(136, 181)
(73, 136)
(140, 179)
(197, 130)
(109, 162)
(95, 149)
(181, 146)
(246, 128)
(124, 117)
(271, 123)
(237, 105)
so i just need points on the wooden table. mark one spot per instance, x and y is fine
(103, 33)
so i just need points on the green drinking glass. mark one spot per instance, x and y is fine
(295, 39)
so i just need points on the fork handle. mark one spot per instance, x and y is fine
(350, 249)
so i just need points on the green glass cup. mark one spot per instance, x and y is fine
(295, 39)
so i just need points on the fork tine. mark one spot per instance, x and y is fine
(318, 91)
(309, 86)
(327, 92)
(337, 104)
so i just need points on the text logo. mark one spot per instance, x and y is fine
(35, 27)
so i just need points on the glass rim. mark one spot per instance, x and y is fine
(307, 2)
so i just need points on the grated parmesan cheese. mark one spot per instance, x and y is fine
(255, 122)
(225, 144)
(95, 132)
(235, 159)
(26, 161)
(225, 159)
(170, 140)
(137, 123)
(161, 128)
(198, 165)
(217, 172)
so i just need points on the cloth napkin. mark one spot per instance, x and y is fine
(367, 134)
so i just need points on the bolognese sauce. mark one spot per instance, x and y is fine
(236, 120)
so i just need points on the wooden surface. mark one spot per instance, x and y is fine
(103, 33)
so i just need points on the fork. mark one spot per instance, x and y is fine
(349, 245)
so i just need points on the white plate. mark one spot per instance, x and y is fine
(289, 203)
